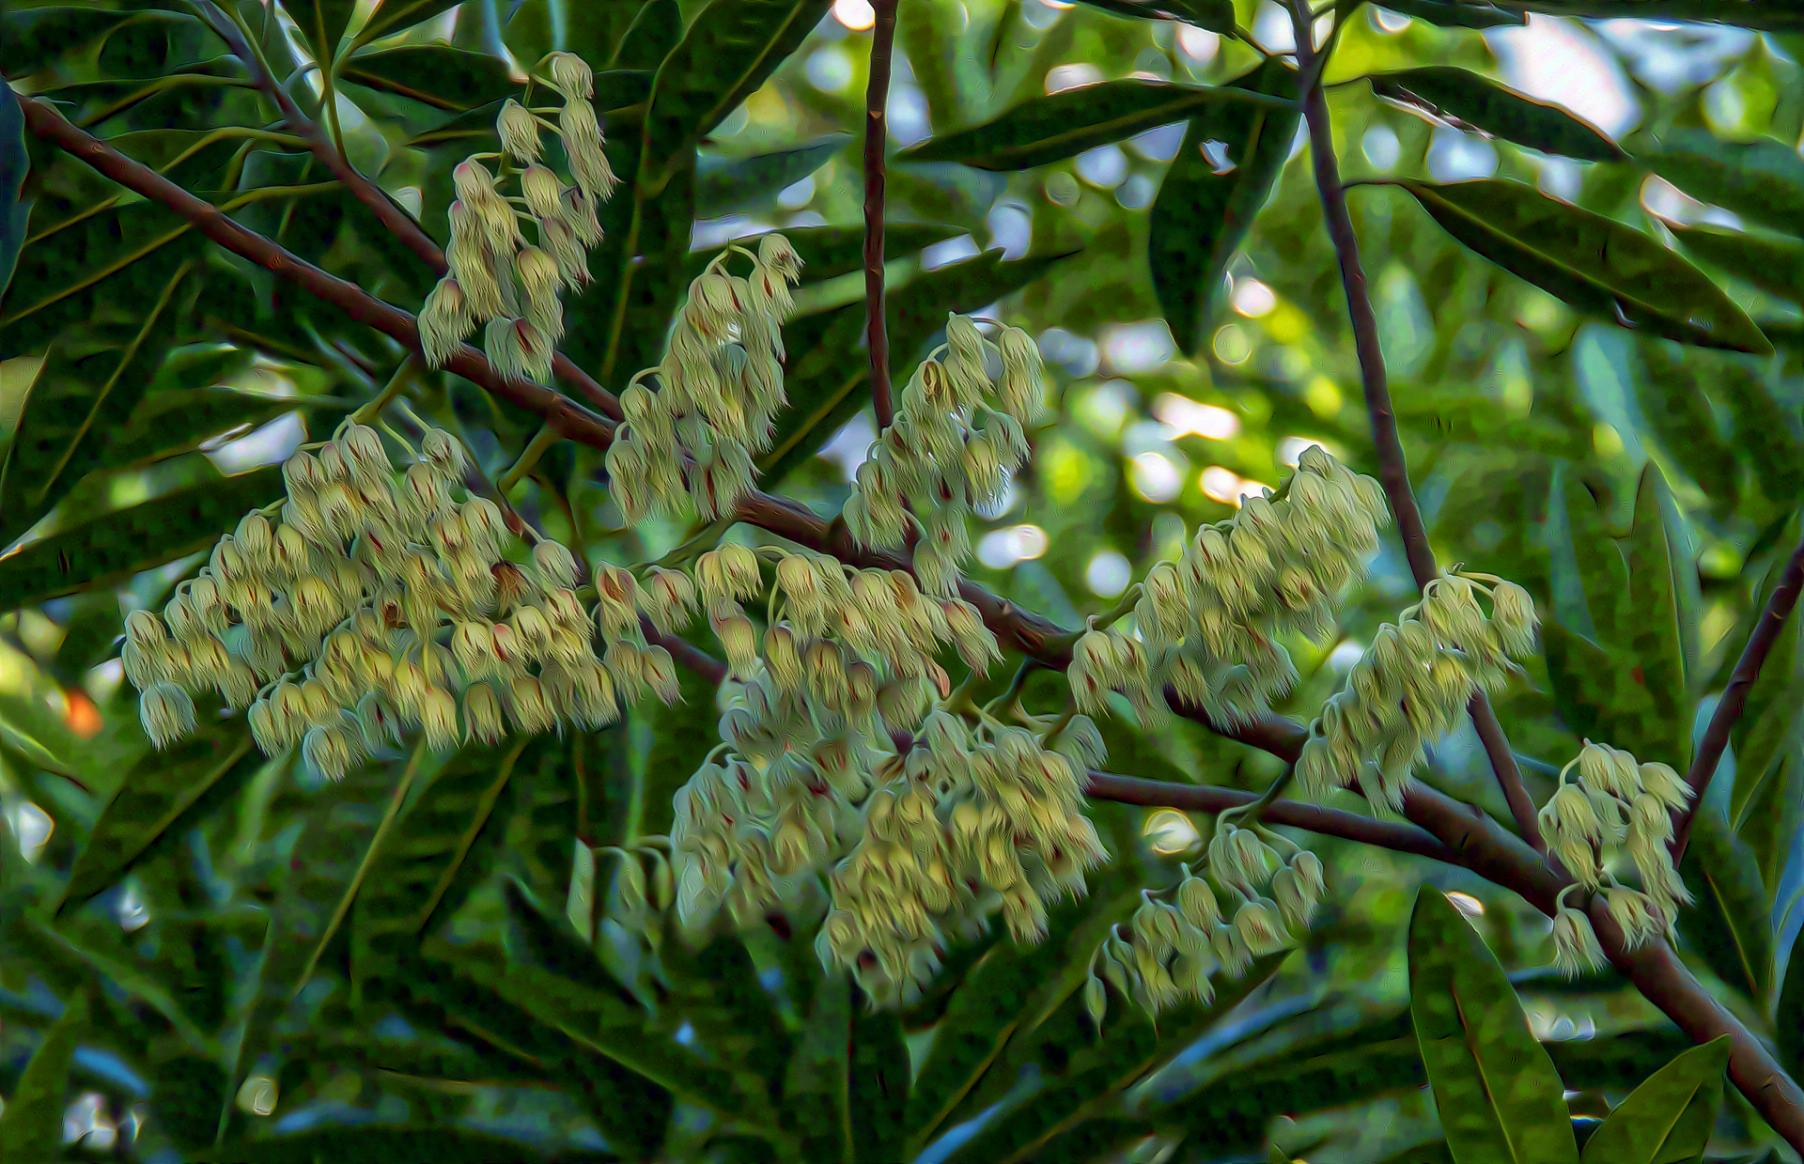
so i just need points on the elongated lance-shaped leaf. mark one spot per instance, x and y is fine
(1458, 13)
(1065, 124)
(1498, 1095)
(1730, 924)
(1201, 216)
(728, 51)
(1765, 430)
(71, 412)
(322, 22)
(1762, 181)
(158, 792)
(1593, 263)
(394, 15)
(116, 545)
(14, 164)
(1667, 1120)
(1769, 262)
(390, 1143)
(1788, 1008)
(1483, 104)
(655, 30)
(31, 1126)
(1214, 15)
(1659, 613)
(436, 75)
(816, 1105)
(1678, 411)
(725, 185)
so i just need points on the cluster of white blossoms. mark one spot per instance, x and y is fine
(1616, 808)
(718, 389)
(379, 604)
(959, 435)
(1209, 624)
(1412, 684)
(496, 276)
(1268, 888)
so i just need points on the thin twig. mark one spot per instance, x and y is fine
(1393, 466)
(1735, 697)
(876, 100)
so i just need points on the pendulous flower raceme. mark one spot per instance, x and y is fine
(959, 436)
(1617, 808)
(379, 603)
(1256, 889)
(695, 422)
(1209, 624)
(1412, 684)
(497, 278)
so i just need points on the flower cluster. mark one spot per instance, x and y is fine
(1411, 686)
(959, 434)
(1268, 888)
(718, 389)
(1616, 808)
(496, 276)
(964, 824)
(1209, 624)
(377, 605)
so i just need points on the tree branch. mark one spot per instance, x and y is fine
(876, 101)
(1735, 697)
(1393, 467)
(387, 211)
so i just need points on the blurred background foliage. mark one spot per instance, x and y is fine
(430, 963)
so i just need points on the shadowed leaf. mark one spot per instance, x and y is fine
(1496, 109)
(1667, 1120)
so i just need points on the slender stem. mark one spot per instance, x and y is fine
(529, 456)
(1735, 697)
(1393, 467)
(883, 40)
(397, 384)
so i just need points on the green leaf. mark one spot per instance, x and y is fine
(716, 991)
(439, 845)
(1729, 927)
(116, 545)
(15, 213)
(1678, 412)
(33, 38)
(1081, 1075)
(1775, 15)
(1767, 431)
(1486, 105)
(1200, 217)
(1064, 124)
(729, 50)
(1666, 1120)
(436, 75)
(31, 1126)
(656, 30)
(994, 1004)
(387, 1144)
(1660, 615)
(529, 32)
(1497, 1092)
(322, 22)
(1773, 814)
(826, 379)
(815, 1085)
(156, 794)
(1788, 1013)
(79, 400)
(877, 1085)
(172, 422)
(726, 185)
(395, 15)
(1457, 13)
(107, 265)
(1593, 263)
(1773, 264)
(1762, 181)
(1768, 720)
(1214, 15)
(681, 737)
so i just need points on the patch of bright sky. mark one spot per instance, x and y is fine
(1560, 61)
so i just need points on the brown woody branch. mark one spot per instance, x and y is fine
(876, 99)
(387, 211)
(1735, 697)
(1476, 842)
(1393, 466)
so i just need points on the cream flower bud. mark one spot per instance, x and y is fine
(583, 145)
(1260, 925)
(1569, 811)
(1633, 912)
(167, 714)
(438, 719)
(543, 191)
(482, 714)
(555, 564)
(1576, 949)
(571, 74)
(1021, 390)
(738, 639)
(578, 213)
(519, 131)
(517, 348)
(539, 278)
(1197, 904)
(328, 750)
(1665, 785)
(1513, 616)
(667, 598)
(145, 629)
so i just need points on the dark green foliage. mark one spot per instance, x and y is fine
(1497, 110)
